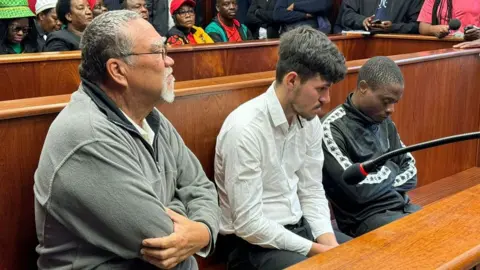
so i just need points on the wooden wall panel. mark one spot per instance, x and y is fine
(47, 74)
(21, 141)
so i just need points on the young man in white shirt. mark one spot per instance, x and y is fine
(269, 158)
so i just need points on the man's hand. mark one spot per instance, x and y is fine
(472, 34)
(327, 239)
(384, 26)
(440, 31)
(468, 45)
(188, 237)
(291, 7)
(317, 249)
(367, 23)
(308, 15)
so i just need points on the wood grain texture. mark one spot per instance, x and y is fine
(443, 235)
(445, 187)
(46, 74)
(21, 141)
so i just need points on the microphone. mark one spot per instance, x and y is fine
(454, 24)
(357, 172)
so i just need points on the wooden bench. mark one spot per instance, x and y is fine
(48, 74)
(201, 107)
(443, 235)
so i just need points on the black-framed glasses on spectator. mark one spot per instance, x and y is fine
(162, 51)
(17, 29)
(184, 12)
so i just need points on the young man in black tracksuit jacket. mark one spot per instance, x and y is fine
(360, 130)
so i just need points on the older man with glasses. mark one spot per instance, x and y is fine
(116, 187)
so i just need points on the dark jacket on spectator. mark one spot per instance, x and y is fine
(260, 14)
(290, 19)
(403, 15)
(62, 40)
(158, 11)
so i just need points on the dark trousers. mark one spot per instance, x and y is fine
(248, 256)
(378, 220)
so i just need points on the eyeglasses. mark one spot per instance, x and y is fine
(17, 29)
(163, 53)
(184, 12)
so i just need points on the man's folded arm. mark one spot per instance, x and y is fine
(100, 194)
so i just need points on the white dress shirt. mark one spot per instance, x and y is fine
(269, 174)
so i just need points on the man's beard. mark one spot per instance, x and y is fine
(168, 93)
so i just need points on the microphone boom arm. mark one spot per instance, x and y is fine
(412, 148)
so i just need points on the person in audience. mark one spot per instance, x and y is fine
(379, 16)
(468, 45)
(75, 16)
(269, 157)
(46, 21)
(436, 14)
(184, 31)
(260, 19)
(224, 27)
(359, 130)
(292, 13)
(17, 28)
(116, 187)
(159, 11)
(138, 6)
(99, 8)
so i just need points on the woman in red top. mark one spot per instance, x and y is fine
(436, 14)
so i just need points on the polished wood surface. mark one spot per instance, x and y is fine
(429, 109)
(443, 235)
(445, 187)
(56, 73)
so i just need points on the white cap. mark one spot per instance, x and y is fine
(42, 5)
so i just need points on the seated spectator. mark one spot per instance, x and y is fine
(17, 28)
(116, 187)
(292, 13)
(75, 15)
(359, 130)
(436, 14)
(184, 31)
(46, 21)
(260, 19)
(138, 6)
(392, 16)
(269, 158)
(224, 27)
(99, 8)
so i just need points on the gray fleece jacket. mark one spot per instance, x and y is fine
(100, 188)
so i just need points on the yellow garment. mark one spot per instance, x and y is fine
(200, 36)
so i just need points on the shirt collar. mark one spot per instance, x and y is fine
(275, 108)
(145, 130)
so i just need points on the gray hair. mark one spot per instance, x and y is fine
(309, 53)
(105, 38)
(380, 71)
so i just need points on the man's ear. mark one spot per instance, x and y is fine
(117, 70)
(216, 7)
(363, 86)
(68, 16)
(290, 79)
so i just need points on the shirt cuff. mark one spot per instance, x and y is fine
(321, 227)
(204, 252)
